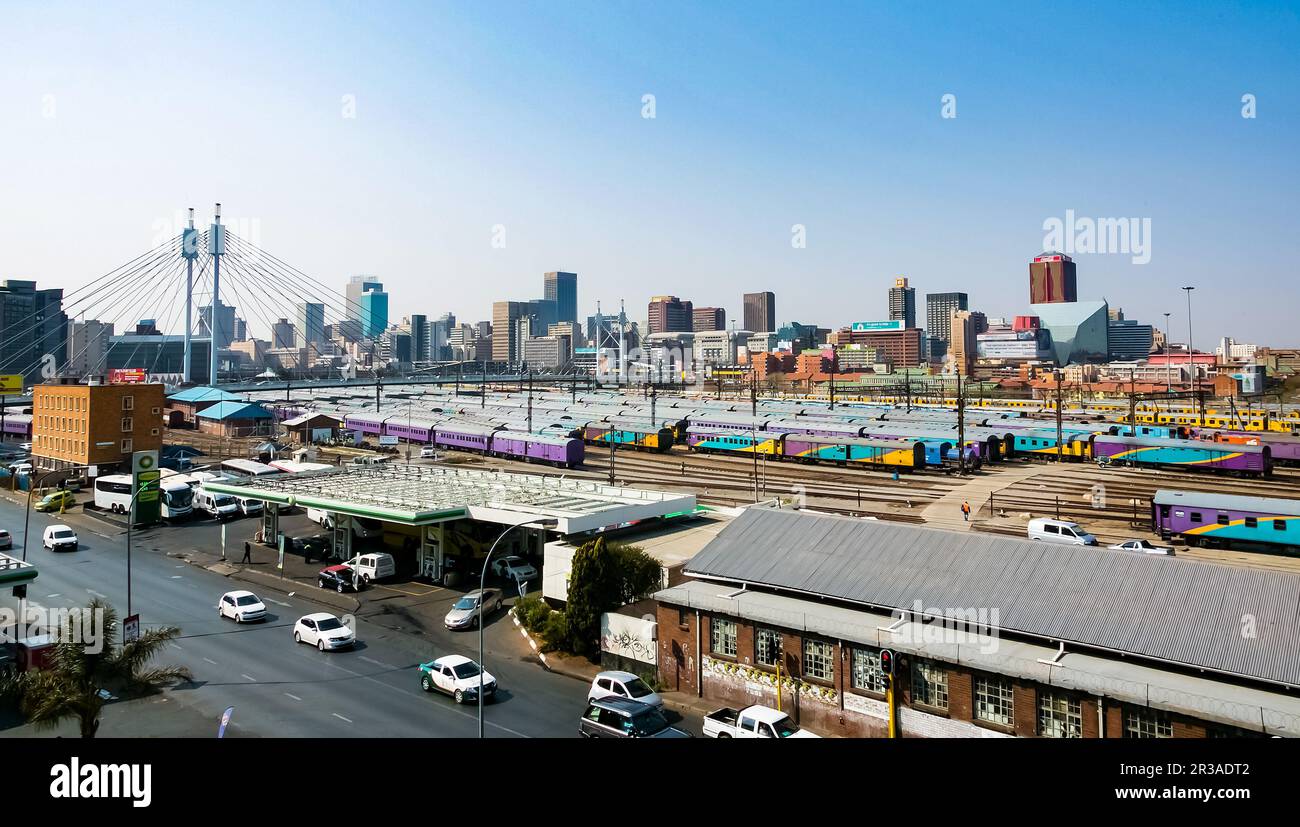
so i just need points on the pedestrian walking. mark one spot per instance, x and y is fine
(248, 553)
(965, 511)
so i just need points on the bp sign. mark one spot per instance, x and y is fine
(145, 477)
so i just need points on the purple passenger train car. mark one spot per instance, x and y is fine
(1191, 454)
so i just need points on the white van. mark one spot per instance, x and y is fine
(363, 528)
(375, 566)
(221, 506)
(1060, 531)
(249, 507)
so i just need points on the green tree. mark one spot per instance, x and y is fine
(603, 578)
(70, 686)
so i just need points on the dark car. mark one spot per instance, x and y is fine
(339, 578)
(625, 718)
(318, 547)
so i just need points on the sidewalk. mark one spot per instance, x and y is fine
(265, 575)
(946, 511)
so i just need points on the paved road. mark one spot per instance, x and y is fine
(279, 688)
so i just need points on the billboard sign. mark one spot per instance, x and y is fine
(387, 440)
(126, 376)
(862, 327)
(144, 479)
(11, 383)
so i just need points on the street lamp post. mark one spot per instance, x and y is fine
(546, 522)
(1168, 381)
(1191, 362)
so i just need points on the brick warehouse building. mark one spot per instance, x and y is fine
(1090, 642)
(98, 425)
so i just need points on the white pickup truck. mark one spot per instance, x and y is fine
(752, 722)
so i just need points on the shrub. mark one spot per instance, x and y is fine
(555, 632)
(532, 612)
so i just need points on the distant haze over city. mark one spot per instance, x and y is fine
(462, 153)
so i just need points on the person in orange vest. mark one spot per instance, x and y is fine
(965, 511)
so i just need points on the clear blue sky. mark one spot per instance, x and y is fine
(470, 115)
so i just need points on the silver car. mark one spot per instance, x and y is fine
(467, 612)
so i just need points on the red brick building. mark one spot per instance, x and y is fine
(989, 675)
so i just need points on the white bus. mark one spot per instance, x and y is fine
(290, 467)
(247, 468)
(113, 493)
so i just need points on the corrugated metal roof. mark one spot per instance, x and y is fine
(1170, 609)
(234, 410)
(202, 394)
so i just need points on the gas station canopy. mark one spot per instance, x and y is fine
(422, 495)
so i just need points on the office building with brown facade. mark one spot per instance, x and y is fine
(100, 425)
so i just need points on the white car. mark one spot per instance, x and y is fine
(324, 631)
(20, 468)
(1059, 531)
(1144, 547)
(623, 685)
(428, 452)
(59, 537)
(458, 676)
(242, 607)
(516, 568)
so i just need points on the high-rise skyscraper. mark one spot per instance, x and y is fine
(421, 341)
(669, 314)
(902, 302)
(309, 327)
(282, 334)
(1052, 279)
(88, 343)
(708, 318)
(562, 288)
(760, 312)
(225, 323)
(505, 314)
(356, 286)
(374, 313)
(939, 308)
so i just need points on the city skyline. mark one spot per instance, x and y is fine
(987, 199)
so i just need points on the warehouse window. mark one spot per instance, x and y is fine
(994, 701)
(127, 446)
(867, 674)
(818, 660)
(128, 425)
(767, 646)
(929, 684)
(722, 636)
(128, 403)
(1147, 723)
(1059, 716)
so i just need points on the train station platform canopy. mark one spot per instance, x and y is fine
(14, 572)
(422, 495)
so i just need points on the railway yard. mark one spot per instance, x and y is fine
(650, 443)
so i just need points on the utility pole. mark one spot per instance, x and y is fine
(482, 386)
(530, 400)
(961, 427)
(1059, 428)
(654, 423)
(460, 367)
(1168, 381)
(908, 379)
(753, 396)
(1132, 403)
(612, 443)
(833, 378)
(1191, 361)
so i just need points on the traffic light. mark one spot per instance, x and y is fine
(887, 661)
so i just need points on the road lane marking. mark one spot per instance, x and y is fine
(97, 594)
(211, 661)
(379, 663)
(176, 577)
(248, 677)
(278, 602)
(53, 595)
(291, 695)
(341, 718)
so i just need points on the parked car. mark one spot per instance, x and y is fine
(374, 566)
(1144, 547)
(1060, 531)
(241, 607)
(340, 578)
(25, 446)
(20, 468)
(324, 631)
(625, 718)
(752, 722)
(363, 528)
(56, 501)
(248, 507)
(615, 684)
(318, 546)
(458, 676)
(516, 568)
(6, 541)
(468, 612)
(59, 537)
